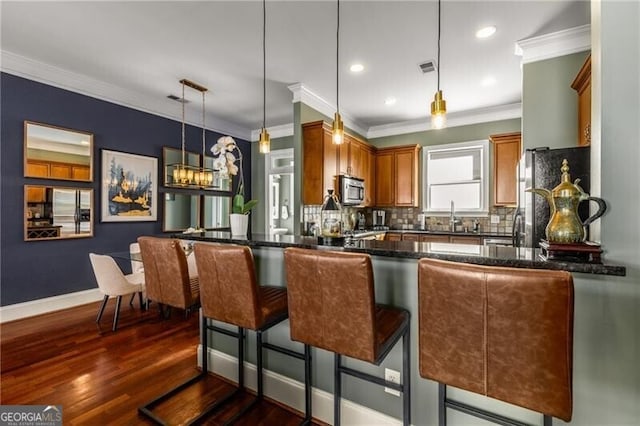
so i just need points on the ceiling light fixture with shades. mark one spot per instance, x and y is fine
(184, 174)
(439, 105)
(338, 125)
(265, 140)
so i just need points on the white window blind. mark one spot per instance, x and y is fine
(458, 173)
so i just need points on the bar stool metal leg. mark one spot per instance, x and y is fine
(337, 389)
(406, 371)
(307, 385)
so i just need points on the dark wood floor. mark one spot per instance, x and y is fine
(101, 377)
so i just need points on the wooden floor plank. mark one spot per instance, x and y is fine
(102, 377)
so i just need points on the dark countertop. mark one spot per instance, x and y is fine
(516, 257)
(435, 232)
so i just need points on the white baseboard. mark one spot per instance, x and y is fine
(291, 392)
(48, 304)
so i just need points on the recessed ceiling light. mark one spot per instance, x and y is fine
(486, 32)
(390, 101)
(356, 68)
(488, 81)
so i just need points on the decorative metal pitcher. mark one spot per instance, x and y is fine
(565, 226)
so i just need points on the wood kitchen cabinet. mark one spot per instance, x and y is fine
(323, 161)
(431, 238)
(36, 194)
(393, 236)
(434, 238)
(397, 176)
(464, 239)
(582, 85)
(56, 170)
(507, 149)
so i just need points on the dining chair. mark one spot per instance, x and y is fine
(166, 275)
(113, 283)
(137, 267)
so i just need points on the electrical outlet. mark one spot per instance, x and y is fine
(495, 218)
(394, 377)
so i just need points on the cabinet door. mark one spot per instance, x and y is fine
(465, 240)
(434, 238)
(355, 159)
(343, 156)
(411, 237)
(36, 169)
(582, 85)
(36, 194)
(368, 174)
(506, 154)
(60, 171)
(80, 172)
(390, 236)
(406, 178)
(384, 179)
(318, 157)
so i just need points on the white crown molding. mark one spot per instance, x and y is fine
(462, 118)
(556, 44)
(58, 77)
(274, 132)
(302, 94)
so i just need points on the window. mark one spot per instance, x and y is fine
(459, 173)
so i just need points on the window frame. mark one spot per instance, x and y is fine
(485, 177)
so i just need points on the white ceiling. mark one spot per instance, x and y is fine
(144, 48)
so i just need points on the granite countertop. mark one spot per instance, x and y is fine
(516, 257)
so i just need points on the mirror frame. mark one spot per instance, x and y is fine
(57, 237)
(48, 163)
(166, 198)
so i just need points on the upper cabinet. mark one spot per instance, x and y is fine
(323, 161)
(582, 85)
(52, 152)
(397, 182)
(507, 149)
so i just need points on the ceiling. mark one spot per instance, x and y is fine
(135, 53)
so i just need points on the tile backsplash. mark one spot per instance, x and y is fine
(408, 218)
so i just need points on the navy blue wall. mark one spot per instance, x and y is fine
(37, 269)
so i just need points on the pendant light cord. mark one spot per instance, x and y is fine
(203, 131)
(439, 45)
(338, 56)
(264, 64)
(183, 123)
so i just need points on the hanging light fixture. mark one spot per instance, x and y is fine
(184, 174)
(265, 140)
(439, 105)
(338, 125)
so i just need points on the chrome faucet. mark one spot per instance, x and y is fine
(453, 221)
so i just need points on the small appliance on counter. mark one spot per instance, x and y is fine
(379, 220)
(331, 221)
(351, 190)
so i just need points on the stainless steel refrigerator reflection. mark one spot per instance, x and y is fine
(540, 168)
(72, 210)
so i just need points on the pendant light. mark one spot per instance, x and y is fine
(265, 140)
(439, 105)
(184, 174)
(338, 125)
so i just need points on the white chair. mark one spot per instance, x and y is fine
(137, 267)
(113, 283)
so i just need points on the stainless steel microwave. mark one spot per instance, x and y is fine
(351, 190)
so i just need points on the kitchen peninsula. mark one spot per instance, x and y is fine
(515, 257)
(396, 283)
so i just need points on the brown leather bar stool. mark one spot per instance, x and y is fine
(166, 275)
(332, 307)
(230, 293)
(506, 333)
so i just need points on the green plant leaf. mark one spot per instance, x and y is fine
(239, 206)
(249, 205)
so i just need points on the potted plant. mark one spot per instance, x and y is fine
(225, 163)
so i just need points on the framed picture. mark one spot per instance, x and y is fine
(129, 187)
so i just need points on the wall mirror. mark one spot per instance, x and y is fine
(52, 152)
(181, 211)
(219, 183)
(172, 156)
(216, 211)
(52, 212)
